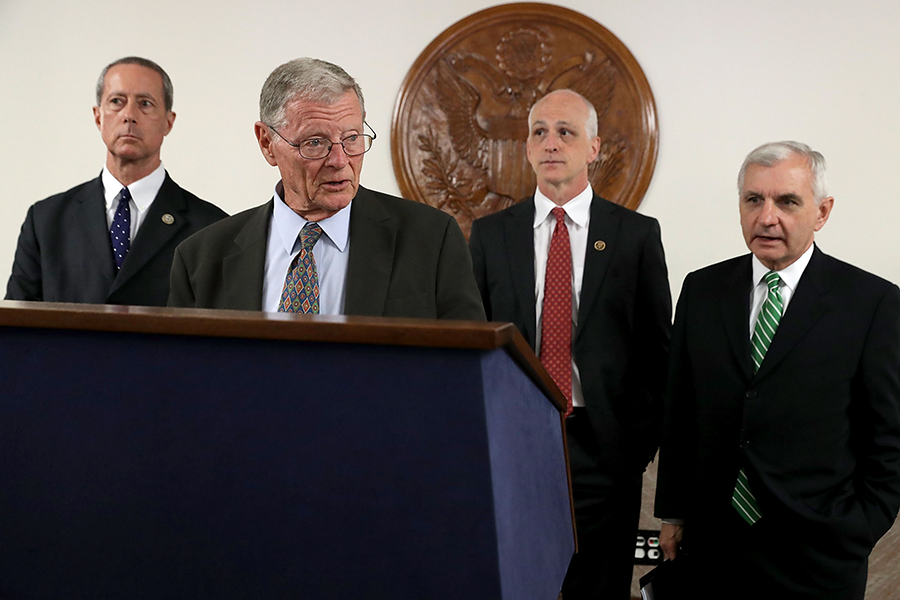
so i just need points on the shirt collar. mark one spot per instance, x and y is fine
(143, 191)
(790, 275)
(578, 209)
(288, 225)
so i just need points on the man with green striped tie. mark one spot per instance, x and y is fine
(780, 458)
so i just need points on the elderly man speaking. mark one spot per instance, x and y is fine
(324, 244)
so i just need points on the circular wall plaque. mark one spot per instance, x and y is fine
(461, 119)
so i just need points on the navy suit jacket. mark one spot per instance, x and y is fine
(621, 338)
(64, 253)
(406, 260)
(817, 428)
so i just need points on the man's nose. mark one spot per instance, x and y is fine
(337, 158)
(769, 213)
(551, 144)
(128, 112)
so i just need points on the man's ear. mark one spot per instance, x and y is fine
(170, 120)
(595, 149)
(824, 210)
(264, 138)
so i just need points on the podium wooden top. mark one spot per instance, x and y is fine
(282, 326)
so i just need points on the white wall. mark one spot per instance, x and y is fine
(727, 76)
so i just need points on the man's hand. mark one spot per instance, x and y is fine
(670, 539)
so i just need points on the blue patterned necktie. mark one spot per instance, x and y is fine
(120, 231)
(301, 285)
(767, 322)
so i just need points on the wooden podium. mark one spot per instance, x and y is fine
(164, 453)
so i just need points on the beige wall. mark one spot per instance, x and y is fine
(727, 76)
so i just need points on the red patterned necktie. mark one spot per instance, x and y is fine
(301, 285)
(556, 314)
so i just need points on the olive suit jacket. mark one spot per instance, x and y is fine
(406, 260)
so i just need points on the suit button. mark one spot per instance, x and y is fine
(745, 444)
(751, 394)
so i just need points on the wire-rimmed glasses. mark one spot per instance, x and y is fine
(317, 148)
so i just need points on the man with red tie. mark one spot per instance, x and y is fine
(585, 281)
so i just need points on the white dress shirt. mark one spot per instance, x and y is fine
(790, 277)
(331, 253)
(577, 219)
(143, 193)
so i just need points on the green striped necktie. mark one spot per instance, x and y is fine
(766, 323)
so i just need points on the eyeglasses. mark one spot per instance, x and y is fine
(318, 148)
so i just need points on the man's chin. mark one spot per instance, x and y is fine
(130, 151)
(768, 256)
(334, 202)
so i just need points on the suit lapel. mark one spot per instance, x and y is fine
(244, 268)
(735, 305)
(518, 232)
(92, 222)
(373, 238)
(604, 227)
(804, 309)
(154, 233)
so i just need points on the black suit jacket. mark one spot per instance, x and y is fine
(64, 253)
(817, 428)
(406, 260)
(621, 339)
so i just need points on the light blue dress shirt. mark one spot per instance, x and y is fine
(331, 253)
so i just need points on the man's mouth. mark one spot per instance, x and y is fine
(767, 239)
(336, 186)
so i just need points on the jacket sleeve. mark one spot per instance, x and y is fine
(181, 295)
(26, 281)
(675, 450)
(478, 266)
(653, 326)
(878, 386)
(457, 294)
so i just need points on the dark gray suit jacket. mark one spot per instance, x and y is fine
(817, 428)
(406, 260)
(621, 338)
(64, 253)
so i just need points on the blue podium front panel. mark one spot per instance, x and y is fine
(151, 466)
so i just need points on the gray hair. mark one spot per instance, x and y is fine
(772, 153)
(308, 79)
(590, 125)
(168, 89)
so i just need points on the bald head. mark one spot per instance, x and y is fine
(590, 125)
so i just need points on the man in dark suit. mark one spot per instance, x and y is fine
(780, 460)
(111, 240)
(602, 330)
(324, 244)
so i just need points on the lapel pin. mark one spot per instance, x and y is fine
(600, 245)
(168, 219)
